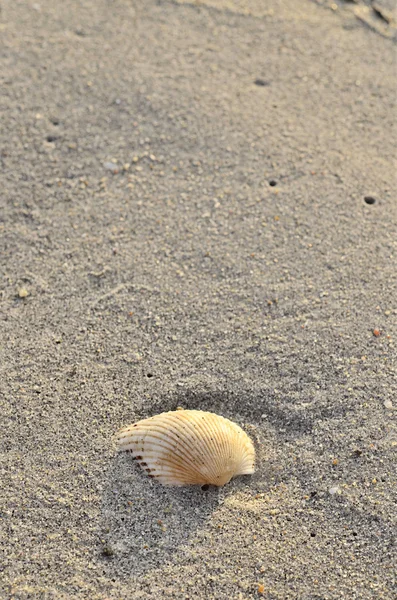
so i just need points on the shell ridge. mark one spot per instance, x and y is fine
(145, 423)
(213, 442)
(160, 451)
(144, 437)
(229, 446)
(202, 450)
(193, 422)
(236, 454)
(223, 459)
(161, 463)
(193, 429)
(178, 444)
(247, 464)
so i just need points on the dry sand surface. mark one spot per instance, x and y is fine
(198, 209)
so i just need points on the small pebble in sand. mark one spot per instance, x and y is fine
(107, 551)
(388, 404)
(261, 82)
(23, 293)
(261, 588)
(111, 166)
(334, 490)
(376, 332)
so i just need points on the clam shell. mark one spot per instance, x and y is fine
(187, 447)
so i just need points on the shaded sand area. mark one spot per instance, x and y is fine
(198, 209)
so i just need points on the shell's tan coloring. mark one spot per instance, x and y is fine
(187, 447)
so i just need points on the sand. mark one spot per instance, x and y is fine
(198, 209)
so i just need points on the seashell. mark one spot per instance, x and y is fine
(187, 447)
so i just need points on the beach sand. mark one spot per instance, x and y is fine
(198, 209)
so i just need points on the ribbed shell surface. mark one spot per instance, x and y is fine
(186, 447)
